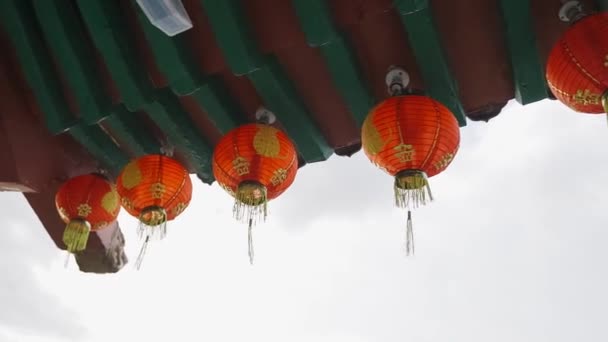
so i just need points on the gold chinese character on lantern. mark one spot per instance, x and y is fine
(586, 97)
(278, 176)
(240, 165)
(405, 153)
(157, 190)
(444, 161)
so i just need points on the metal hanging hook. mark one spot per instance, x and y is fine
(265, 116)
(397, 80)
(571, 11)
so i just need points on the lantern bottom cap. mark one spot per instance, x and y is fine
(153, 216)
(251, 193)
(410, 180)
(250, 202)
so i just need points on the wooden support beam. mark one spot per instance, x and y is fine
(65, 37)
(424, 39)
(341, 61)
(229, 25)
(528, 70)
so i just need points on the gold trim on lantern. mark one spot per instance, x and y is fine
(373, 140)
(265, 142)
(131, 175)
(63, 214)
(109, 202)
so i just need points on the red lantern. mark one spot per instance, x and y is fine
(254, 163)
(411, 137)
(86, 203)
(155, 189)
(577, 68)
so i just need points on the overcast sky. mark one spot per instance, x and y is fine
(515, 248)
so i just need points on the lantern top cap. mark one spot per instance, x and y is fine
(265, 116)
(571, 11)
(397, 79)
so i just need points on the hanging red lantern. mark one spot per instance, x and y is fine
(577, 68)
(254, 163)
(86, 203)
(412, 138)
(154, 189)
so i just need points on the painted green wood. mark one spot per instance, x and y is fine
(315, 19)
(280, 97)
(229, 25)
(38, 69)
(417, 19)
(528, 71)
(64, 35)
(129, 130)
(172, 57)
(177, 125)
(36, 64)
(217, 102)
(107, 26)
(345, 72)
(177, 63)
(230, 28)
(101, 146)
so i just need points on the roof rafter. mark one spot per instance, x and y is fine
(417, 19)
(528, 70)
(316, 23)
(229, 26)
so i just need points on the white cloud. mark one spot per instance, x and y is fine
(513, 249)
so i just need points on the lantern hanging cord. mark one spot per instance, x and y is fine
(67, 259)
(409, 238)
(250, 241)
(142, 253)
